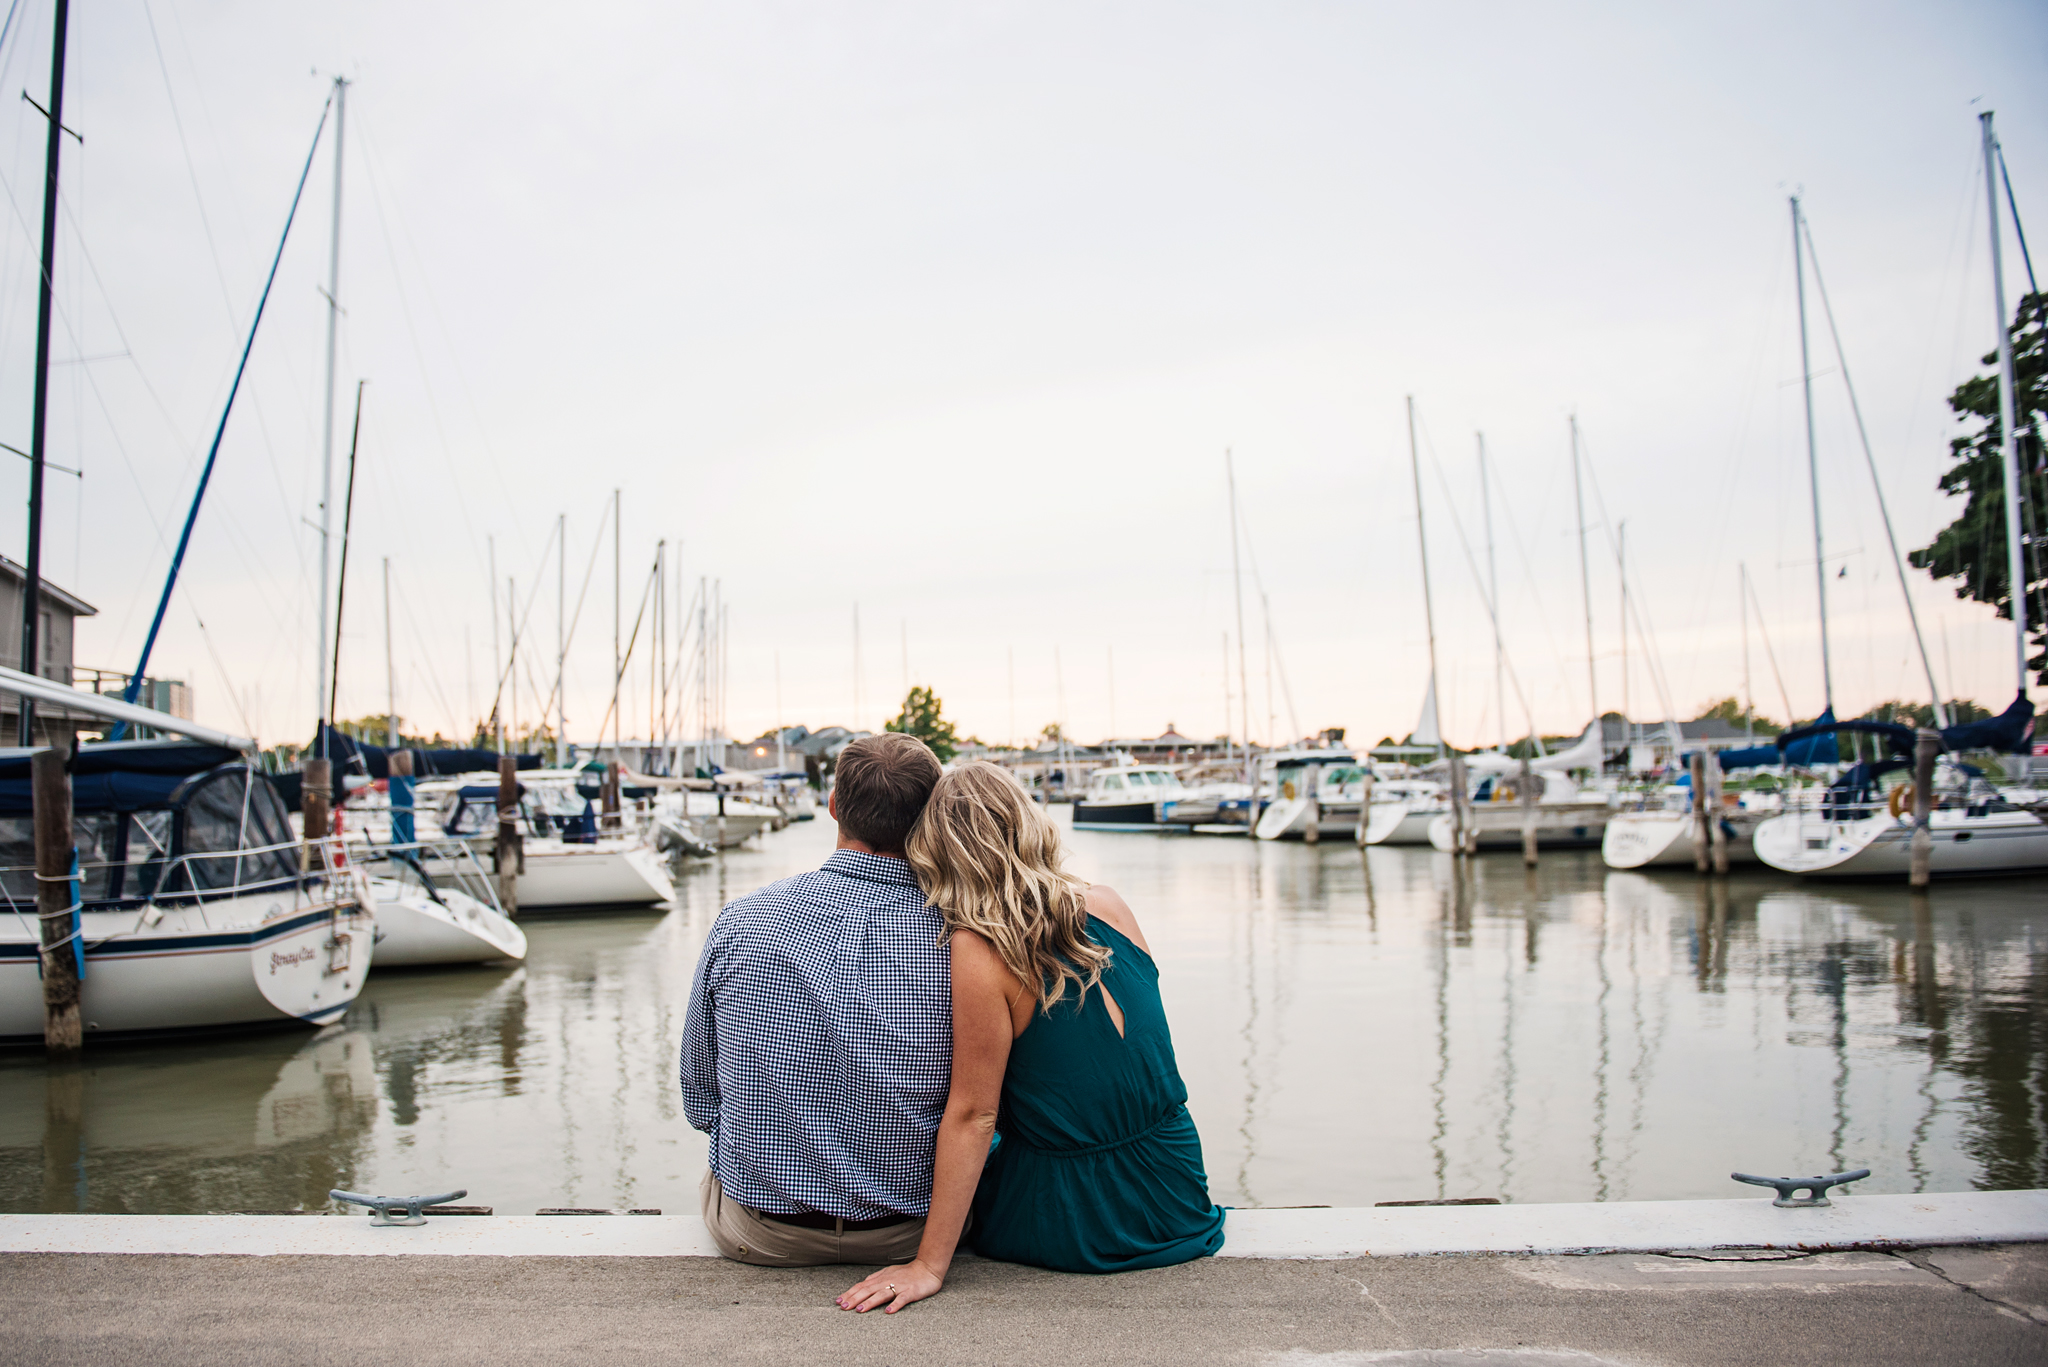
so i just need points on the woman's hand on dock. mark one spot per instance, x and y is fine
(893, 1288)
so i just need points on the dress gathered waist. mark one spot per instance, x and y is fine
(1125, 1142)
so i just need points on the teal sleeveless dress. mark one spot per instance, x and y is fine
(1096, 1165)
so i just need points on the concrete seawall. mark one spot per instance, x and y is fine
(1872, 1279)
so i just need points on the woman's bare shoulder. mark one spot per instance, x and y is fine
(1105, 903)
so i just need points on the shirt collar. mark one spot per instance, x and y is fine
(873, 868)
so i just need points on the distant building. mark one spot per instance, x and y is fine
(55, 635)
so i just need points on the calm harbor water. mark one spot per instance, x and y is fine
(1353, 1027)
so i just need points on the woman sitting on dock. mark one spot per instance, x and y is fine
(1061, 1055)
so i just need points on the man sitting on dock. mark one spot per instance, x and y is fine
(817, 1052)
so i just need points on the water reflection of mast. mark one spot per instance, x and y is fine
(1438, 1088)
(1251, 1021)
(1600, 1060)
(1507, 1063)
(1927, 994)
(1834, 973)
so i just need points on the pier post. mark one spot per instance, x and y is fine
(609, 798)
(318, 779)
(1717, 829)
(1702, 817)
(1525, 789)
(1461, 806)
(1926, 745)
(1312, 833)
(404, 830)
(1364, 807)
(50, 796)
(509, 853)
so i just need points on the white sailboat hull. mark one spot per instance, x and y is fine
(1400, 823)
(1287, 819)
(1563, 826)
(561, 874)
(414, 930)
(263, 958)
(1642, 840)
(1880, 846)
(592, 876)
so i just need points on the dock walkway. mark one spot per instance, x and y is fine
(1956, 1278)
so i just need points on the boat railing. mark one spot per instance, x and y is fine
(197, 876)
(432, 865)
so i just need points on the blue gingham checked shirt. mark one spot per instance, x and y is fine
(818, 1049)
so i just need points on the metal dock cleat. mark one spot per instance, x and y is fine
(1816, 1188)
(381, 1207)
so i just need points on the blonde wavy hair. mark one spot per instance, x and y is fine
(989, 861)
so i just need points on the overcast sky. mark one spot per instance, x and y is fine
(951, 312)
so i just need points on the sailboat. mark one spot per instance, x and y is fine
(1402, 808)
(1859, 831)
(194, 911)
(1564, 817)
(1851, 833)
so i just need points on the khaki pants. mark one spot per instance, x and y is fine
(745, 1237)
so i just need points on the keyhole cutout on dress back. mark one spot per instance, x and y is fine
(1116, 1013)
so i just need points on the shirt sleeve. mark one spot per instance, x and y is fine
(699, 1067)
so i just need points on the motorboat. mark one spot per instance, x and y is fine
(195, 912)
(1129, 797)
(424, 919)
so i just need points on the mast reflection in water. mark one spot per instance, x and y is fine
(1353, 1027)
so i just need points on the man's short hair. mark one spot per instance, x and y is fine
(881, 787)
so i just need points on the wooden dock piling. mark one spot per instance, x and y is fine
(1702, 813)
(318, 780)
(508, 855)
(50, 794)
(1717, 830)
(1364, 807)
(1926, 745)
(1463, 837)
(1525, 789)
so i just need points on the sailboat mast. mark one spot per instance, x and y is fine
(1748, 693)
(561, 634)
(497, 660)
(390, 669)
(327, 417)
(1585, 578)
(1244, 688)
(2015, 560)
(618, 660)
(1500, 695)
(32, 579)
(1422, 544)
(1820, 563)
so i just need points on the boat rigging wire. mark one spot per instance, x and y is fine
(627, 659)
(1769, 654)
(569, 636)
(348, 515)
(1884, 511)
(206, 474)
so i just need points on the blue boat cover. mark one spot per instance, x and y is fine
(352, 756)
(2011, 732)
(124, 776)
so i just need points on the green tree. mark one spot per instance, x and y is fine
(1730, 711)
(1972, 549)
(920, 717)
